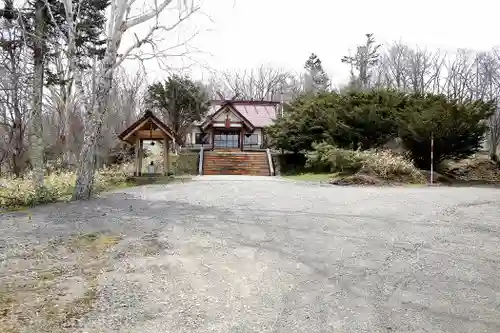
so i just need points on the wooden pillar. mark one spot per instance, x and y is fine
(136, 149)
(213, 137)
(242, 137)
(166, 157)
(141, 155)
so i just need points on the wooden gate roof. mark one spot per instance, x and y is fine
(228, 106)
(148, 127)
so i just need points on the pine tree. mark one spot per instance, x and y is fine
(319, 80)
(180, 101)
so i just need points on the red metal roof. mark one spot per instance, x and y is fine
(259, 113)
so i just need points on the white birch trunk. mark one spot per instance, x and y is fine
(36, 133)
(494, 136)
(95, 114)
(93, 122)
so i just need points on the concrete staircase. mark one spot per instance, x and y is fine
(235, 163)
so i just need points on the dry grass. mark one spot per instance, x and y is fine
(92, 244)
(310, 177)
(52, 288)
(59, 186)
(356, 179)
(384, 165)
(476, 169)
(391, 167)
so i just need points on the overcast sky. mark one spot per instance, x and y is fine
(247, 33)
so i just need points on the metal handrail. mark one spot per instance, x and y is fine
(270, 161)
(200, 166)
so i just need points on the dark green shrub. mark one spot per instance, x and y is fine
(458, 128)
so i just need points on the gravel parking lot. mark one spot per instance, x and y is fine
(262, 254)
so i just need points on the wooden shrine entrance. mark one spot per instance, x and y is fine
(148, 128)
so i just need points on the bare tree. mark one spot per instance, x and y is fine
(215, 86)
(61, 110)
(61, 101)
(125, 102)
(363, 61)
(486, 86)
(423, 70)
(95, 109)
(263, 83)
(394, 62)
(494, 134)
(463, 76)
(460, 75)
(294, 86)
(14, 95)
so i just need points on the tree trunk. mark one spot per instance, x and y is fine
(87, 162)
(18, 126)
(493, 145)
(95, 111)
(17, 161)
(18, 155)
(36, 138)
(93, 122)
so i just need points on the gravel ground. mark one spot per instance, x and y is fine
(236, 254)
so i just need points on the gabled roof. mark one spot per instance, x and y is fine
(147, 122)
(258, 113)
(223, 107)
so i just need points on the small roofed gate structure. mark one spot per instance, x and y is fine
(149, 128)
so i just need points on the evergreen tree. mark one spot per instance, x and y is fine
(319, 80)
(87, 24)
(357, 120)
(303, 124)
(369, 119)
(180, 101)
(366, 119)
(458, 129)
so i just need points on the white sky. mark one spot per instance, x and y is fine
(283, 33)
